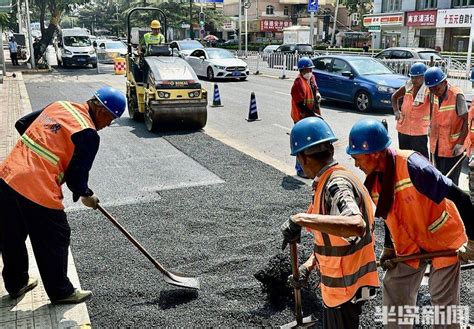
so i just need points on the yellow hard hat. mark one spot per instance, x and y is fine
(155, 24)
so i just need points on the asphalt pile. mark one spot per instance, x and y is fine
(226, 234)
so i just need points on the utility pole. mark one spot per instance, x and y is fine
(335, 23)
(191, 34)
(311, 29)
(117, 12)
(30, 39)
(240, 25)
(246, 5)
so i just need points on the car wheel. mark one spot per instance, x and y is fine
(210, 73)
(94, 65)
(362, 101)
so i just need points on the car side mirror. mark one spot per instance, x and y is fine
(347, 74)
(201, 58)
(94, 44)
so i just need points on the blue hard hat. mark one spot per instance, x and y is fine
(305, 63)
(434, 76)
(310, 132)
(417, 69)
(367, 136)
(112, 99)
(472, 75)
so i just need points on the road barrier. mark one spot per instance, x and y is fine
(119, 65)
(216, 98)
(253, 114)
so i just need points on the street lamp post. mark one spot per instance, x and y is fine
(335, 23)
(30, 39)
(240, 25)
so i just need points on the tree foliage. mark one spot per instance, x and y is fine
(361, 7)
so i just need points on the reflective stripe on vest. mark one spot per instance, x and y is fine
(35, 167)
(345, 267)
(446, 126)
(417, 223)
(309, 100)
(415, 119)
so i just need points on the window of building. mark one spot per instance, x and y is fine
(270, 10)
(391, 5)
(285, 11)
(426, 4)
(463, 3)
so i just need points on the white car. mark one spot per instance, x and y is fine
(217, 63)
(108, 50)
(184, 47)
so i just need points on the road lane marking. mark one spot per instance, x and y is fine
(282, 127)
(281, 93)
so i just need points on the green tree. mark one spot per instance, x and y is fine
(4, 20)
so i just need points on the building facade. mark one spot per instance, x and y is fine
(266, 19)
(421, 23)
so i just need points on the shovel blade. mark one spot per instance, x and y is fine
(181, 280)
(306, 322)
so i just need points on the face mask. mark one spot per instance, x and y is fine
(308, 75)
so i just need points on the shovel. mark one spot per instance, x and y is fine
(300, 322)
(422, 255)
(176, 279)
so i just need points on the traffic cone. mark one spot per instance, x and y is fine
(216, 99)
(253, 115)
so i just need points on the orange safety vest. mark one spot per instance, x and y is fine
(344, 267)
(308, 101)
(471, 128)
(416, 223)
(415, 119)
(35, 168)
(446, 125)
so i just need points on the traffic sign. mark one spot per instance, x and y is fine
(374, 28)
(312, 6)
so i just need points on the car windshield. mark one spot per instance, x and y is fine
(368, 66)
(115, 45)
(77, 41)
(427, 55)
(306, 49)
(219, 53)
(189, 45)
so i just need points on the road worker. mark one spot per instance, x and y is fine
(413, 119)
(449, 123)
(58, 145)
(423, 211)
(304, 97)
(152, 38)
(341, 220)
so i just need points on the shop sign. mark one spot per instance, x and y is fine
(421, 18)
(228, 26)
(273, 25)
(383, 20)
(374, 28)
(455, 17)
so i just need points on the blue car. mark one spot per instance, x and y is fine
(360, 80)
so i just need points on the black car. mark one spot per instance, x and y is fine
(277, 59)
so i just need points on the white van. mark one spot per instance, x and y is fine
(74, 47)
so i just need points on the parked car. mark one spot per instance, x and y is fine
(231, 42)
(184, 47)
(277, 59)
(363, 81)
(409, 53)
(217, 63)
(270, 49)
(108, 50)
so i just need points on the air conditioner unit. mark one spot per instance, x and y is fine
(355, 23)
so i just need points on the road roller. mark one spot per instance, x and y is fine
(162, 88)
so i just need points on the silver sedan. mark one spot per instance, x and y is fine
(217, 63)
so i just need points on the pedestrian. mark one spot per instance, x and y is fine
(305, 97)
(13, 47)
(151, 38)
(413, 119)
(423, 211)
(58, 145)
(365, 47)
(341, 218)
(449, 123)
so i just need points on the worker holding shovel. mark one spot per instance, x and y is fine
(58, 145)
(423, 211)
(341, 220)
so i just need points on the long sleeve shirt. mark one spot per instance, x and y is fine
(86, 144)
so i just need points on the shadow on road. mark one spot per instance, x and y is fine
(140, 130)
(172, 298)
(290, 184)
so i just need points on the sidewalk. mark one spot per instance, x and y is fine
(33, 310)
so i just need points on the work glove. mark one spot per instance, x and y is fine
(291, 233)
(466, 252)
(387, 254)
(458, 149)
(90, 201)
(318, 97)
(304, 277)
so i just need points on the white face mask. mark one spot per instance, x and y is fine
(308, 75)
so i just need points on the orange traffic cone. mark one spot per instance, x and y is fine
(216, 99)
(253, 115)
